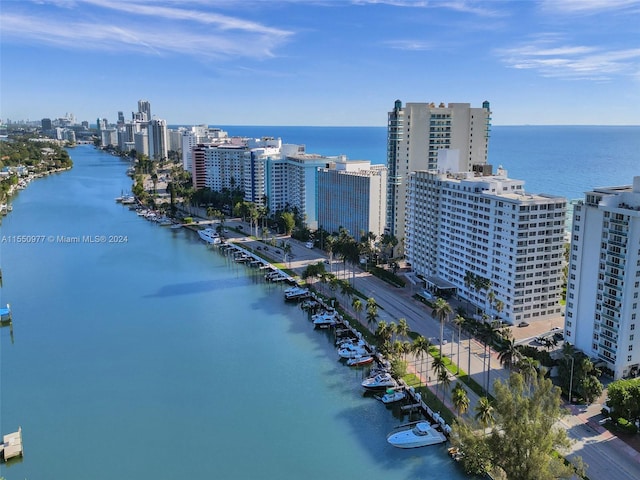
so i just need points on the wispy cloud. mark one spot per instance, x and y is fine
(473, 7)
(414, 45)
(138, 26)
(577, 62)
(589, 6)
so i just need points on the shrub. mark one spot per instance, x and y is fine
(625, 426)
(188, 219)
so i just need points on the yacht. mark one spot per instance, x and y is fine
(380, 382)
(209, 235)
(415, 435)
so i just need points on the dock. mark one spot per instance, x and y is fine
(11, 446)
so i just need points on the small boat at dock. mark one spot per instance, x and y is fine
(381, 381)
(420, 434)
(360, 360)
(392, 395)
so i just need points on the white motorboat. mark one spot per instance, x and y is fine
(392, 396)
(352, 351)
(324, 319)
(209, 235)
(420, 434)
(296, 293)
(380, 382)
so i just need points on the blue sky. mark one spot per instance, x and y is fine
(320, 62)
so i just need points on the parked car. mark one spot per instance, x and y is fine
(523, 324)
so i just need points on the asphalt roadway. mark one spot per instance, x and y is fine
(607, 457)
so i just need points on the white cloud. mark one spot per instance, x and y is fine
(144, 28)
(576, 62)
(465, 6)
(589, 6)
(415, 45)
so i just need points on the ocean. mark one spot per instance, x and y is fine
(558, 160)
(156, 357)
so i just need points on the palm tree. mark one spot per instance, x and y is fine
(443, 378)
(438, 367)
(484, 413)
(490, 331)
(528, 368)
(460, 399)
(420, 346)
(441, 311)
(509, 354)
(372, 312)
(329, 244)
(459, 320)
(403, 328)
(357, 307)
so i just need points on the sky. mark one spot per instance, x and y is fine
(320, 62)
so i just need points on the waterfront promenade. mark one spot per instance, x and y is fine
(606, 455)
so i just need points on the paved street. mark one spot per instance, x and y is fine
(607, 456)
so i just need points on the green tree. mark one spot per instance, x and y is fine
(527, 435)
(289, 222)
(356, 303)
(484, 413)
(460, 399)
(624, 399)
(420, 348)
(441, 311)
(508, 354)
(439, 368)
(372, 312)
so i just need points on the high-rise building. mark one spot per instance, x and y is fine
(352, 195)
(46, 124)
(158, 140)
(474, 225)
(604, 278)
(144, 107)
(415, 135)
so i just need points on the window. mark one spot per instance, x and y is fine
(630, 348)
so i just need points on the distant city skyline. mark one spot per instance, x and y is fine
(319, 62)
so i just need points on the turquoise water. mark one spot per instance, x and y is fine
(159, 358)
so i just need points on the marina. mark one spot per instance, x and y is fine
(199, 344)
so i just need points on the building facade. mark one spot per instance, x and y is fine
(352, 195)
(474, 224)
(604, 278)
(158, 140)
(415, 135)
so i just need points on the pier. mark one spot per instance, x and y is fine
(11, 446)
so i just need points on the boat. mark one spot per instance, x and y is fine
(360, 360)
(324, 319)
(380, 382)
(209, 235)
(176, 226)
(420, 434)
(351, 351)
(296, 293)
(392, 395)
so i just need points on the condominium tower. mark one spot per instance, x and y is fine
(415, 134)
(465, 225)
(604, 278)
(352, 195)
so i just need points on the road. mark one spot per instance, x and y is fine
(607, 457)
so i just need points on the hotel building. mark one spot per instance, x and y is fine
(486, 224)
(158, 139)
(415, 135)
(604, 278)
